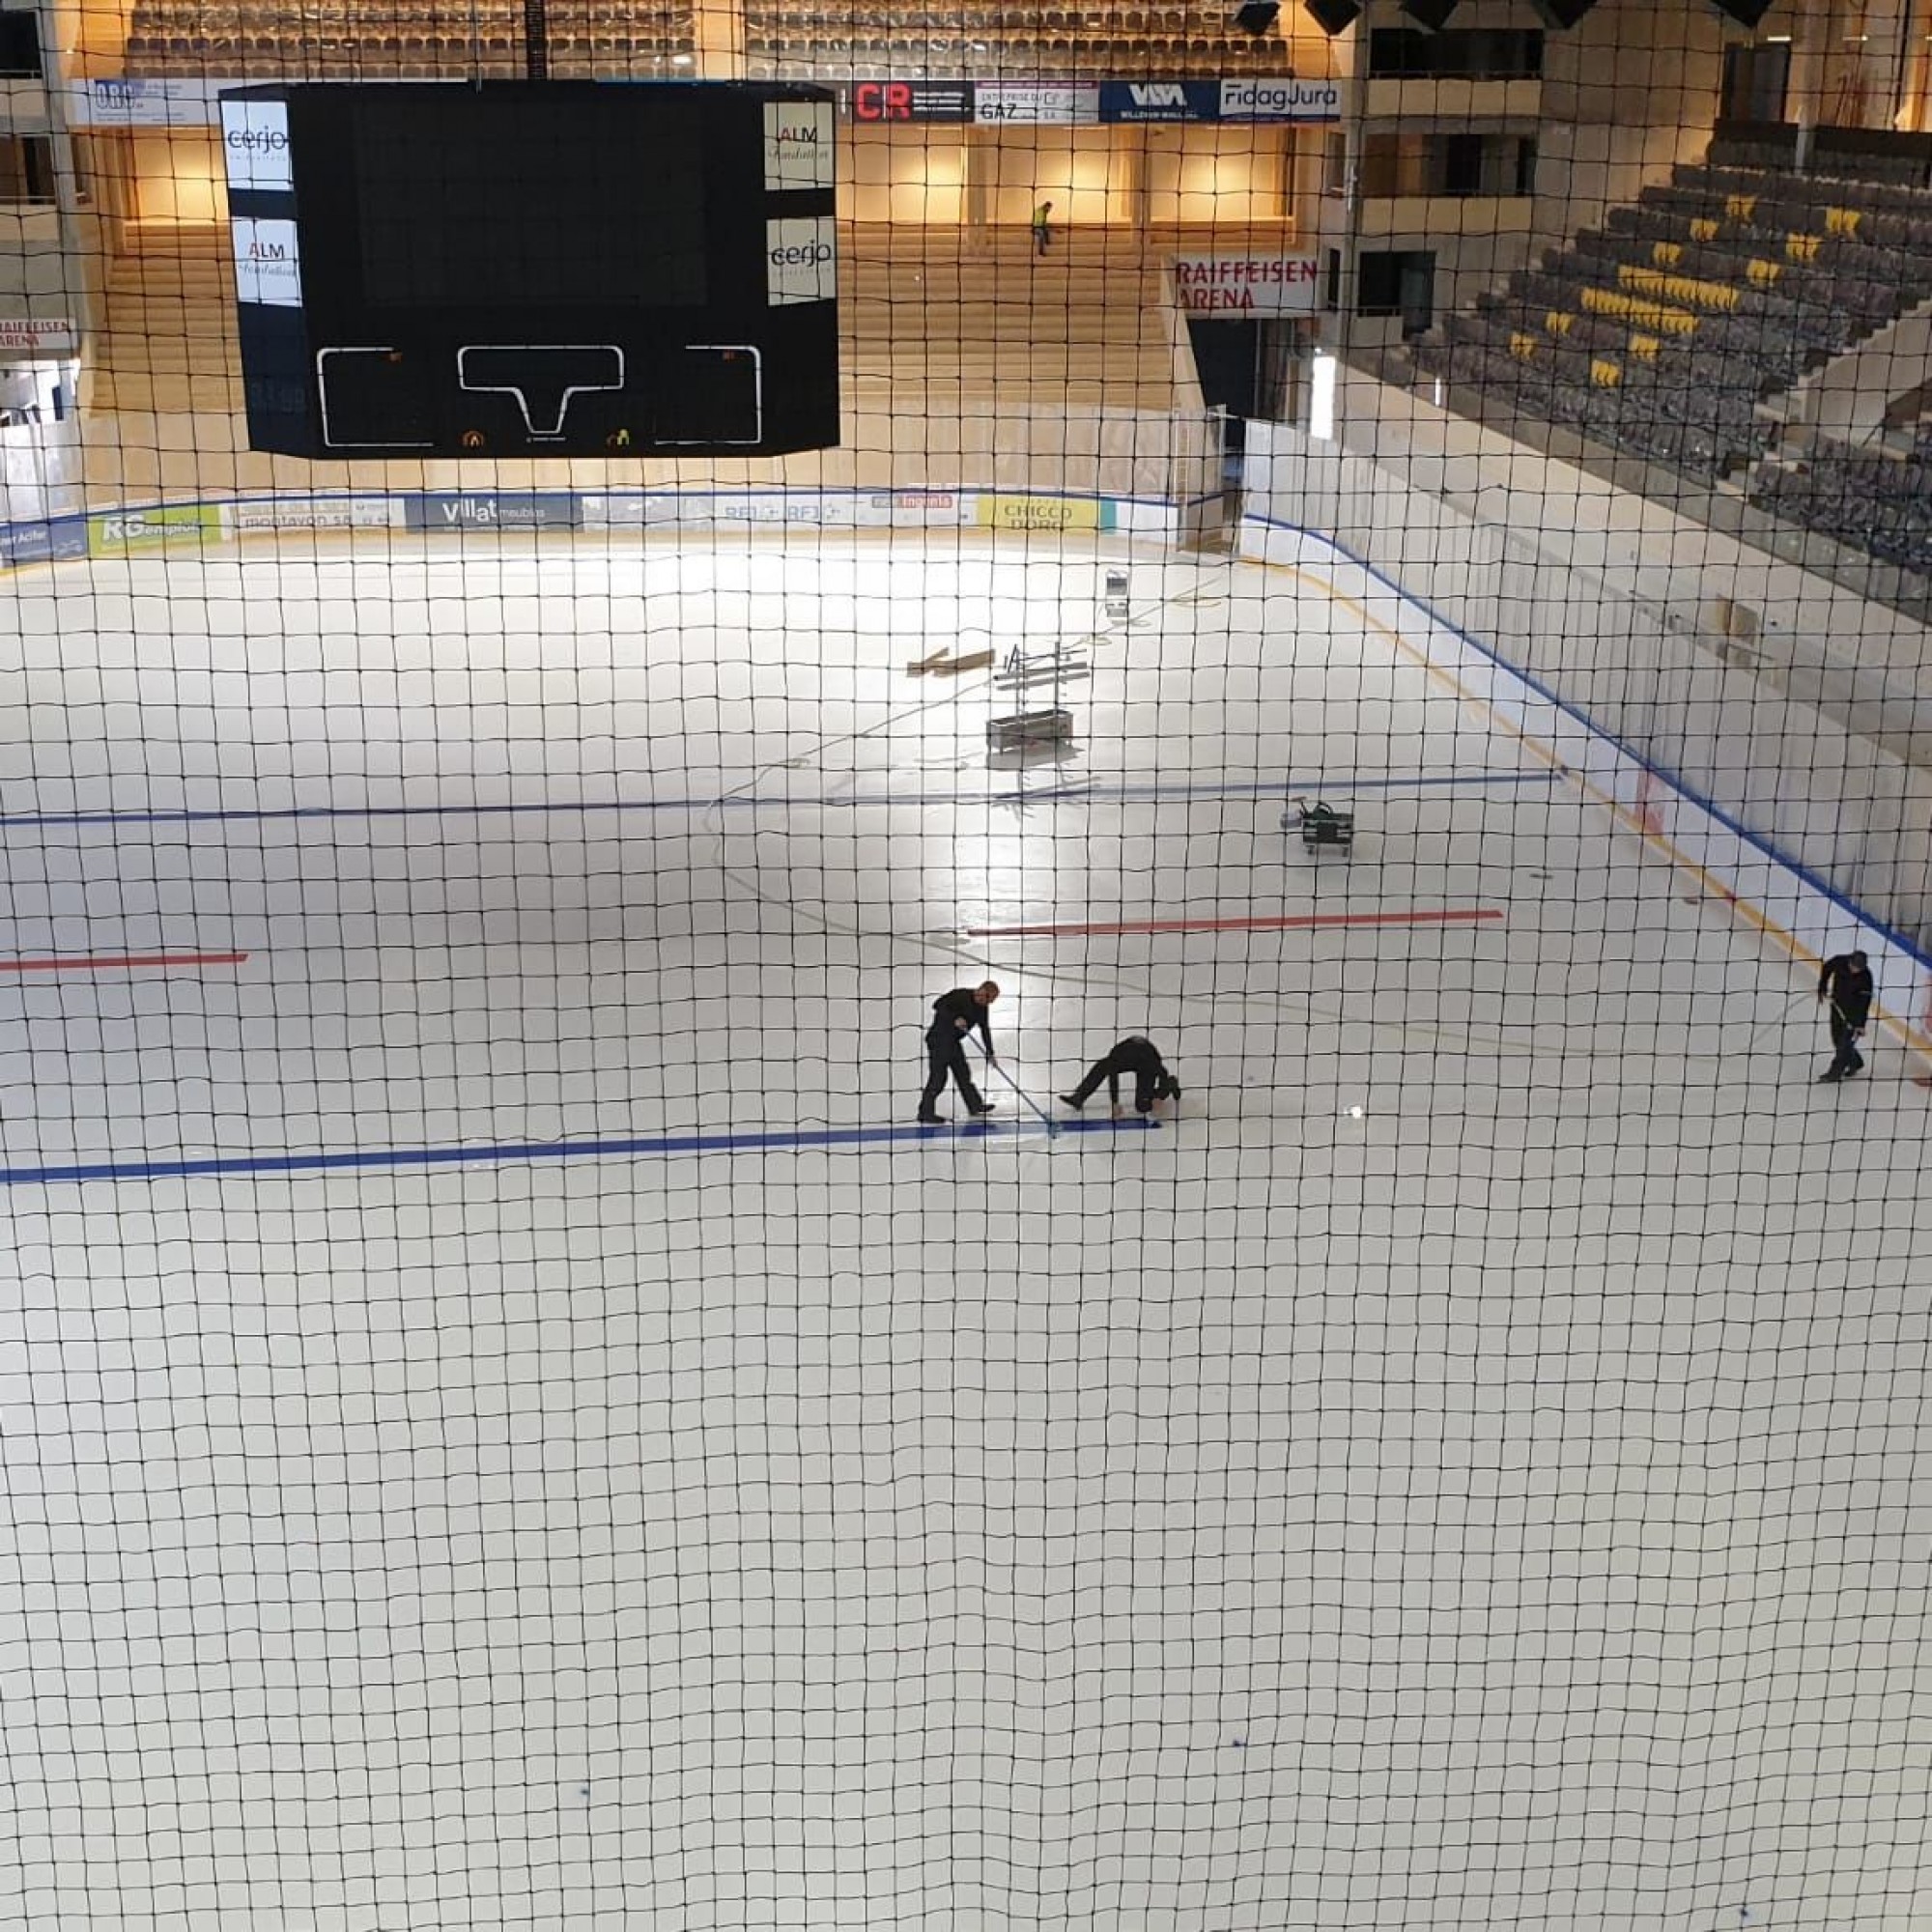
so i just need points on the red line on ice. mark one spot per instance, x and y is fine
(119, 962)
(1450, 916)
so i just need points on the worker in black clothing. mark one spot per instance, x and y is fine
(1846, 986)
(1152, 1080)
(955, 1015)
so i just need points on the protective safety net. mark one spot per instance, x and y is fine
(1376, 557)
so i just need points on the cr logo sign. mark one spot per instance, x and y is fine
(882, 101)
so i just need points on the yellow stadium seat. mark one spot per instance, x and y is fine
(1689, 289)
(1651, 315)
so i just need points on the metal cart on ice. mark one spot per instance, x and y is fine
(1323, 828)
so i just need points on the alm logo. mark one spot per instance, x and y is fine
(798, 144)
(267, 262)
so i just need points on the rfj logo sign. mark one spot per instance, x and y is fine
(798, 144)
(255, 143)
(801, 261)
(268, 266)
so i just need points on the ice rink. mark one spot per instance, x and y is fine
(507, 1422)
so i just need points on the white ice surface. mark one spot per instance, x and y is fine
(1506, 1507)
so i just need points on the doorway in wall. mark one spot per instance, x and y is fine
(1398, 281)
(1226, 358)
(1755, 79)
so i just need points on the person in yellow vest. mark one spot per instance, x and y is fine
(1042, 227)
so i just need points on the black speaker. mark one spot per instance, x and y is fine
(1431, 13)
(1561, 15)
(1333, 17)
(1745, 12)
(1257, 16)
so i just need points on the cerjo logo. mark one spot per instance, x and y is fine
(255, 140)
(801, 261)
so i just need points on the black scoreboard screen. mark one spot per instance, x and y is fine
(449, 213)
(531, 269)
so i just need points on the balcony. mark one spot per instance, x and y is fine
(1454, 97)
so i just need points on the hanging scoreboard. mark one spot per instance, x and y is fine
(534, 268)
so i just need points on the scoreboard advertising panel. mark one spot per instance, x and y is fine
(1279, 97)
(534, 268)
